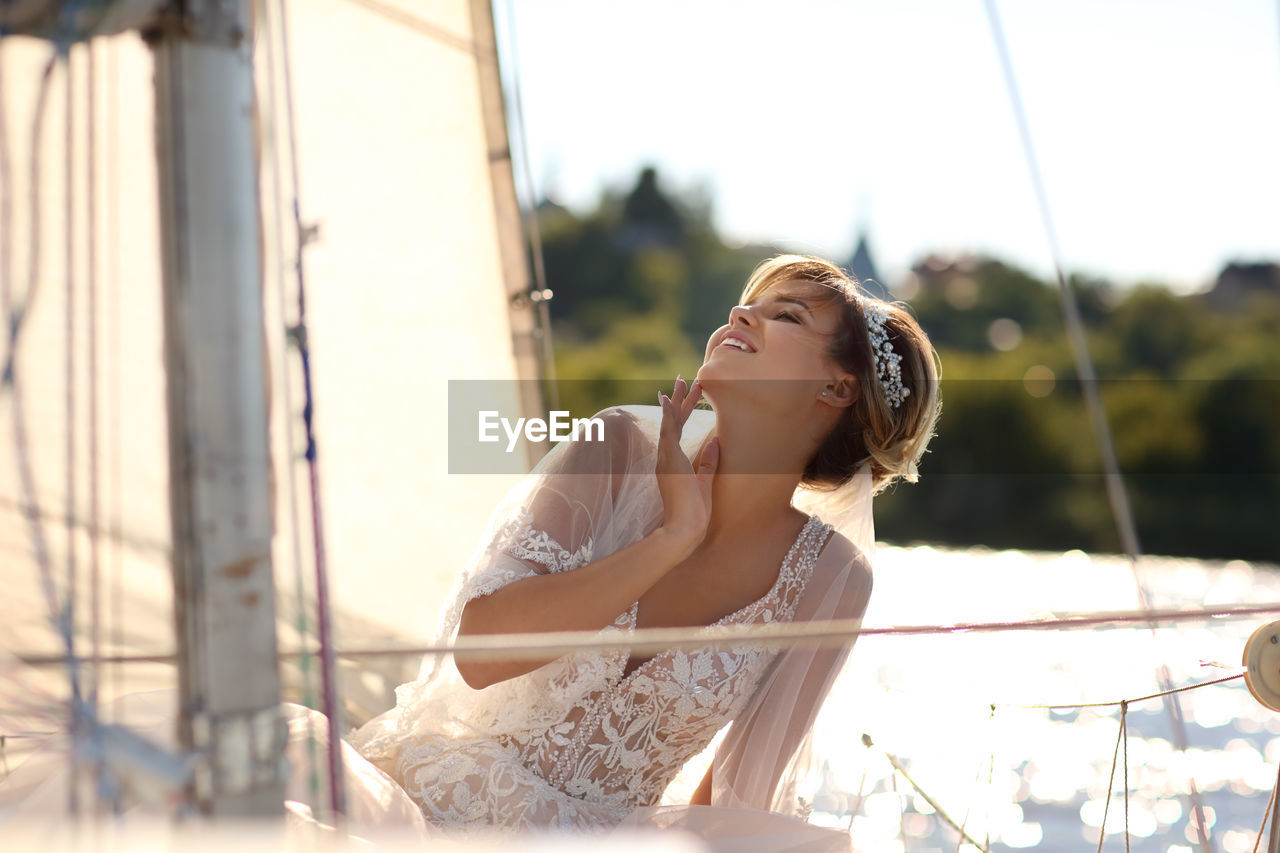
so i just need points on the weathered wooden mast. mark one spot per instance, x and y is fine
(215, 364)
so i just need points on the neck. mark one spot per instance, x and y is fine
(761, 463)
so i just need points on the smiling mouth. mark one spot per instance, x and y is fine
(734, 343)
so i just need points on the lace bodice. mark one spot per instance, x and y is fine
(621, 739)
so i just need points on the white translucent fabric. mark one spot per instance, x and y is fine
(578, 743)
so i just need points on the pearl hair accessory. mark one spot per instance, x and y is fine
(887, 362)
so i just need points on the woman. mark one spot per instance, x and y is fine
(822, 396)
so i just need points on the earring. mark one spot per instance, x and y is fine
(824, 393)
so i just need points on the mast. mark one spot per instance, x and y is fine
(215, 365)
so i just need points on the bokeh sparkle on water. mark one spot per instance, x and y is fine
(1026, 777)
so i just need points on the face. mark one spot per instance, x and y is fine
(782, 336)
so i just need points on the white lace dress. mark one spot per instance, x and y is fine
(620, 743)
(580, 743)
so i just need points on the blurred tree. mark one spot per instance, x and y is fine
(1191, 385)
(1155, 331)
(960, 298)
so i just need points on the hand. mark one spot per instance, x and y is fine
(686, 492)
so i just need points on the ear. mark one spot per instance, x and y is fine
(840, 391)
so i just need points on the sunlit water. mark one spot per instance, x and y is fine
(1022, 777)
(1034, 778)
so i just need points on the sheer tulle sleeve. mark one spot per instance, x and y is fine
(762, 756)
(566, 512)
(586, 499)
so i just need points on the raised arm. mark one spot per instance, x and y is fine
(585, 599)
(569, 510)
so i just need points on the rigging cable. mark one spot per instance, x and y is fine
(59, 615)
(15, 316)
(534, 232)
(991, 772)
(413, 22)
(857, 804)
(1106, 807)
(91, 287)
(901, 801)
(901, 770)
(91, 309)
(69, 407)
(1276, 788)
(295, 525)
(6, 225)
(115, 449)
(1122, 748)
(1266, 814)
(13, 322)
(328, 664)
(1124, 721)
(1116, 492)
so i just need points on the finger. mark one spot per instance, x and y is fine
(665, 428)
(690, 403)
(695, 394)
(668, 417)
(680, 398)
(673, 406)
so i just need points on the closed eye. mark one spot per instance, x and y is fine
(786, 315)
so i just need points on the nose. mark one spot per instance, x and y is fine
(743, 314)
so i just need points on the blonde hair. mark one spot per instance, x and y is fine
(892, 439)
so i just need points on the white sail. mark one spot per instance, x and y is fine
(408, 285)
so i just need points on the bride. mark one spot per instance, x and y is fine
(821, 396)
(756, 514)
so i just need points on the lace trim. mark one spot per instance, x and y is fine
(520, 538)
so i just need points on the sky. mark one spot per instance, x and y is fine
(1156, 124)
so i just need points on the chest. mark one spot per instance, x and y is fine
(718, 584)
(711, 585)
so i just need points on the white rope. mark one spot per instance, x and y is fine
(810, 634)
